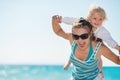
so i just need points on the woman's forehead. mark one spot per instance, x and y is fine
(80, 30)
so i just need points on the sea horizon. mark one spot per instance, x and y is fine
(47, 72)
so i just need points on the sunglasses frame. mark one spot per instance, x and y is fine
(82, 36)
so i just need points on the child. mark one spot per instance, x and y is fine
(96, 16)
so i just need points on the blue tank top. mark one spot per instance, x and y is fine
(88, 69)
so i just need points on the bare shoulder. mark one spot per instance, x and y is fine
(101, 48)
(104, 49)
(94, 44)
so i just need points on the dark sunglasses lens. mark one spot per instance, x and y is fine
(84, 36)
(75, 36)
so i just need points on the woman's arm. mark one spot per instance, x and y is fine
(106, 52)
(57, 28)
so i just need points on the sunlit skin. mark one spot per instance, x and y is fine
(82, 43)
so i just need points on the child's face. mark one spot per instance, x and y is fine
(96, 19)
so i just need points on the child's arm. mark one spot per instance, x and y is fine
(68, 20)
(104, 34)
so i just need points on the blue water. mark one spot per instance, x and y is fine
(47, 72)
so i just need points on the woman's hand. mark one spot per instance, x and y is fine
(56, 19)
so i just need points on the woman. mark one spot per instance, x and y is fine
(86, 52)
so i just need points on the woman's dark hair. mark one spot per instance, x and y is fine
(82, 23)
(96, 39)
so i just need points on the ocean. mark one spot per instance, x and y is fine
(47, 72)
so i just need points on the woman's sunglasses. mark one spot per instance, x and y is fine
(83, 36)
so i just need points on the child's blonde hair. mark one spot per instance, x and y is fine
(96, 9)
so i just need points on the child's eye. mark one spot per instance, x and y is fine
(101, 19)
(94, 18)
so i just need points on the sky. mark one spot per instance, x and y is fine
(26, 35)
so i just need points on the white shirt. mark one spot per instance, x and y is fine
(68, 20)
(104, 34)
(100, 32)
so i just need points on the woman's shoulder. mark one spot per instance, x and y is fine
(95, 43)
(102, 46)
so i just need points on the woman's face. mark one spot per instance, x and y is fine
(81, 37)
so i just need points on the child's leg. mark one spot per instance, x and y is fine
(67, 65)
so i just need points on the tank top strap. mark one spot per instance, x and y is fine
(97, 48)
(74, 45)
(95, 51)
(90, 51)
